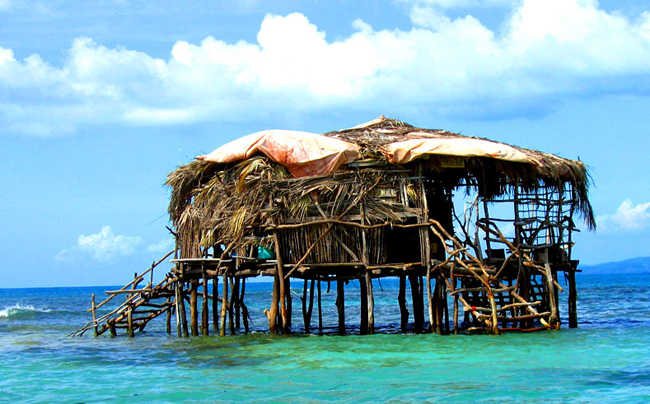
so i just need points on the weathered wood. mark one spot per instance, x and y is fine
(573, 300)
(272, 313)
(418, 303)
(204, 309)
(554, 319)
(244, 308)
(235, 302)
(215, 304)
(283, 306)
(320, 310)
(224, 306)
(363, 297)
(340, 304)
(177, 299)
(168, 323)
(194, 321)
(231, 309)
(401, 299)
(92, 307)
(129, 316)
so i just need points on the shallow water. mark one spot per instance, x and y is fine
(607, 359)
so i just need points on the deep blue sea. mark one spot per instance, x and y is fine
(607, 359)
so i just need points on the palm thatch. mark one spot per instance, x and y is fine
(215, 203)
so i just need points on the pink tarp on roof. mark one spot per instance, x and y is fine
(408, 150)
(302, 153)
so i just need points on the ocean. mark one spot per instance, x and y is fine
(607, 359)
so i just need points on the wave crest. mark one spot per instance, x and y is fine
(18, 309)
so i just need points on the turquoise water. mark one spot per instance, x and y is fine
(606, 360)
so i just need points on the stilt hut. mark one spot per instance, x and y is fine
(375, 201)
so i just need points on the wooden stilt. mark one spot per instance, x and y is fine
(340, 304)
(215, 304)
(320, 310)
(235, 303)
(573, 299)
(92, 307)
(371, 303)
(129, 317)
(430, 303)
(289, 303)
(231, 309)
(554, 319)
(418, 304)
(307, 304)
(437, 306)
(168, 327)
(111, 326)
(280, 275)
(401, 299)
(363, 291)
(194, 321)
(178, 309)
(186, 331)
(205, 328)
(443, 289)
(224, 306)
(244, 309)
(272, 313)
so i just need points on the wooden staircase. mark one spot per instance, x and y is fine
(141, 305)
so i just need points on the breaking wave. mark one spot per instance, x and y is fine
(18, 310)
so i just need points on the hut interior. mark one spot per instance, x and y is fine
(481, 230)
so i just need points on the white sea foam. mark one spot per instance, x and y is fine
(19, 308)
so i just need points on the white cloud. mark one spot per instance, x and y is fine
(546, 50)
(104, 246)
(163, 246)
(627, 218)
(450, 4)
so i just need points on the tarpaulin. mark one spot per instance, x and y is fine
(408, 150)
(302, 153)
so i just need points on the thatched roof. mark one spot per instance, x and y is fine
(252, 168)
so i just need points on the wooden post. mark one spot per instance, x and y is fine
(418, 304)
(111, 326)
(231, 306)
(370, 299)
(168, 327)
(224, 306)
(363, 291)
(92, 308)
(243, 305)
(177, 298)
(554, 319)
(401, 298)
(432, 321)
(204, 312)
(320, 310)
(280, 275)
(340, 304)
(289, 303)
(272, 313)
(186, 332)
(215, 303)
(129, 317)
(194, 321)
(573, 299)
(235, 303)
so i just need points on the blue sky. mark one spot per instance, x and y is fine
(100, 100)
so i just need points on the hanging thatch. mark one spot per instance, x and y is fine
(214, 202)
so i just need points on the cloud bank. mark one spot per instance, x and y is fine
(628, 218)
(104, 246)
(546, 50)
